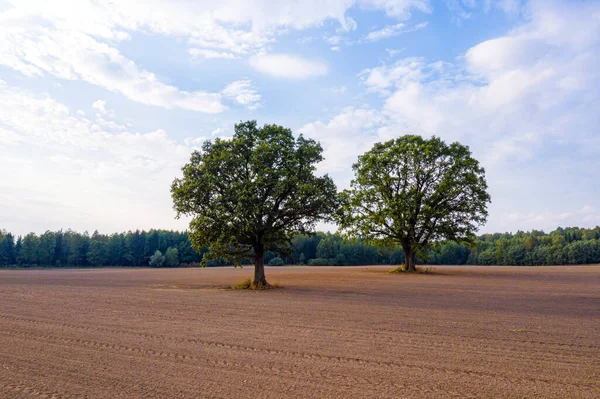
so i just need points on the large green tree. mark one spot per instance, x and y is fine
(252, 193)
(415, 192)
(29, 250)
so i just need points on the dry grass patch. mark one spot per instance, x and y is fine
(420, 270)
(248, 285)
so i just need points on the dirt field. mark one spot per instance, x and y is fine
(328, 333)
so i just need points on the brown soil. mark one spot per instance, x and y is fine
(358, 332)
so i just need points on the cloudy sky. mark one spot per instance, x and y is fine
(102, 101)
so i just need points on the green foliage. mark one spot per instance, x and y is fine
(415, 192)
(79, 248)
(253, 193)
(72, 249)
(157, 260)
(328, 247)
(449, 253)
(28, 255)
(97, 254)
(302, 259)
(7, 249)
(306, 245)
(277, 261)
(578, 246)
(318, 262)
(46, 248)
(172, 257)
(571, 246)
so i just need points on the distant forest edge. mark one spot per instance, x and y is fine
(163, 248)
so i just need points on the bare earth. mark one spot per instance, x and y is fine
(493, 332)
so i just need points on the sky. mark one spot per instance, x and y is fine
(102, 101)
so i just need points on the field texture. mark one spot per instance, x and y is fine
(358, 332)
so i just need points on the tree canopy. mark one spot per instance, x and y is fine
(252, 193)
(415, 192)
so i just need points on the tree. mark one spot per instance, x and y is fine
(18, 251)
(115, 249)
(306, 245)
(47, 249)
(276, 261)
(7, 248)
(415, 192)
(58, 248)
(328, 247)
(97, 254)
(29, 249)
(66, 247)
(171, 257)
(250, 194)
(152, 242)
(80, 245)
(137, 246)
(157, 260)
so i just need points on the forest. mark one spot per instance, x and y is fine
(568, 246)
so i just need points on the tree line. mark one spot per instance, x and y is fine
(164, 248)
(563, 246)
(568, 246)
(72, 249)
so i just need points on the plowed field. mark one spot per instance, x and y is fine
(480, 332)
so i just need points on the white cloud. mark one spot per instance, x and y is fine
(337, 90)
(538, 81)
(242, 92)
(232, 25)
(305, 40)
(391, 31)
(334, 40)
(100, 106)
(400, 74)
(195, 143)
(211, 54)
(398, 8)
(222, 133)
(35, 50)
(349, 24)
(344, 137)
(388, 31)
(522, 102)
(548, 221)
(288, 66)
(521, 147)
(394, 52)
(76, 39)
(66, 168)
(459, 9)
(508, 6)
(518, 100)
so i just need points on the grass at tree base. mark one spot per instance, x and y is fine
(248, 285)
(419, 270)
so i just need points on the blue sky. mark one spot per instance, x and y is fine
(102, 102)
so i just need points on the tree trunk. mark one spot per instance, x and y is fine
(409, 261)
(259, 267)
